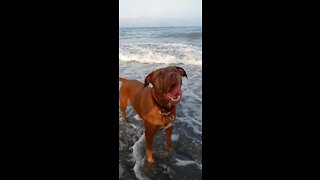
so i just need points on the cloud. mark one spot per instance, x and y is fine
(160, 12)
(125, 17)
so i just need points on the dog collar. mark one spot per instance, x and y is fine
(162, 110)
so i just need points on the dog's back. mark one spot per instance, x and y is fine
(128, 93)
(130, 87)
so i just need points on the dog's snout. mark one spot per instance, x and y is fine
(172, 74)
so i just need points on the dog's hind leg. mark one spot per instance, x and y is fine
(123, 106)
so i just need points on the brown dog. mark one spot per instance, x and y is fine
(156, 105)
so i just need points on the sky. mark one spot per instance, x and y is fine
(160, 13)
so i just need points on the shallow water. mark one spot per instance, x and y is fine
(141, 51)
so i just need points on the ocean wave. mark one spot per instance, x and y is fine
(168, 53)
(173, 33)
(191, 35)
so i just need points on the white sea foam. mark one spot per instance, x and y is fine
(120, 170)
(137, 117)
(184, 162)
(175, 137)
(139, 158)
(187, 162)
(161, 53)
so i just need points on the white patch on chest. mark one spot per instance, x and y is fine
(169, 125)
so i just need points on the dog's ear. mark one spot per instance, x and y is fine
(182, 71)
(148, 79)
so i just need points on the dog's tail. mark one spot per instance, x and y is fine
(123, 80)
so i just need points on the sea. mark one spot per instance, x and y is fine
(141, 51)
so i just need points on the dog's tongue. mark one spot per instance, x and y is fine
(175, 91)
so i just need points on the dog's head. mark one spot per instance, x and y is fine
(167, 84)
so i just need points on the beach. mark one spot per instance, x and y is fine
(141, 51)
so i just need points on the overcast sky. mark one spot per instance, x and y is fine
(146, 13)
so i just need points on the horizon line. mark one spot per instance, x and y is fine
(159, 26)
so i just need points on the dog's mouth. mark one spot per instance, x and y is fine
(174, 94)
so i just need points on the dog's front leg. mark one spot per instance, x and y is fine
(150, 130)
(149, 141)
(168, 139)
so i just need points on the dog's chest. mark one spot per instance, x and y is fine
(160, 119)
(167, 121)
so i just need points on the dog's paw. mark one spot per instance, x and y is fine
(150, 160)
(170, 149)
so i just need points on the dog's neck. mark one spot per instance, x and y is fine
(164, 109)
